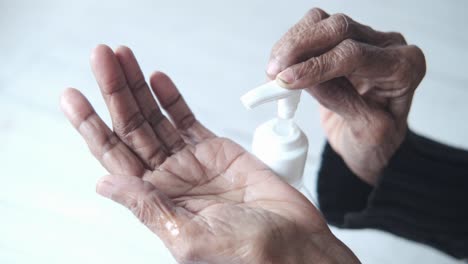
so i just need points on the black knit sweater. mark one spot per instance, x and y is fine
(421, 195)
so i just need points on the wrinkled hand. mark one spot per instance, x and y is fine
(363, 79)
(208, 199)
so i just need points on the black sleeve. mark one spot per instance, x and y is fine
(422, 195)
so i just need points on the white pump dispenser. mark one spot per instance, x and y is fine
(279, 143)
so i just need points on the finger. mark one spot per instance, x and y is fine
(165, 131)
(128, 122)
(415, 59)
(348, 57)
(111, 152)
(324, 35)
(172, 101)
(276, 62)
(150, 206)
(339, 96)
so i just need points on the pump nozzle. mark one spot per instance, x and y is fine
(272, 91)
(279, 143)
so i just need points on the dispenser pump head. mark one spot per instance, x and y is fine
(272, 91)
(279, 142)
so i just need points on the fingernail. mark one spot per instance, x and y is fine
(286, 76)
(105, 188)
(273, 67)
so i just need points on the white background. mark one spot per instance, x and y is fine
(215, 51)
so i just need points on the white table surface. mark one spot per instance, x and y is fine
(49, 212)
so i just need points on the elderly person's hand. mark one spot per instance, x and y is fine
(207, 198)
(364, 80)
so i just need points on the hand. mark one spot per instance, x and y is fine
(363, 79)
(206, 197)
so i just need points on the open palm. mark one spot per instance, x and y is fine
(206, 197)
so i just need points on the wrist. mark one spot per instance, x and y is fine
(368, 161)
(320, 248)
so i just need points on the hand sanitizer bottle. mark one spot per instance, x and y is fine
(279, 142)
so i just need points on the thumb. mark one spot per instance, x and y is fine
(150, 206)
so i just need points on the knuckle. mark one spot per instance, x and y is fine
(342, 25)
(288, 46)
(351, 48)
(110, 142)
(304, 69)
(113, 85)
(157, 157)
(276, 49)
(125, 128)
(155, 117)
(292, 46)
(287, 50)
(186, 121)
(312, 67)
(139, 84)
(399, 38)
(403, 78)
(294, 43)
(392, 39)
(347, 55)
(420, 59)
(316, 14)
(285, 40)
(318, 67)
(412, 67)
